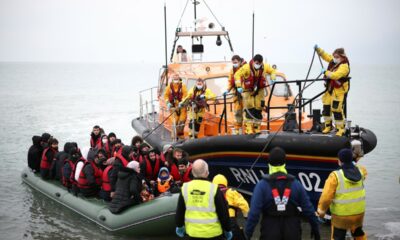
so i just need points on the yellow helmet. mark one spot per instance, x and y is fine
(220, 180)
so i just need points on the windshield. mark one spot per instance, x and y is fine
(217, 85)
(280, 90)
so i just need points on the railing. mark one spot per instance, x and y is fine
(148, 97)
(300, 102)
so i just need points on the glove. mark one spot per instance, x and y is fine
(180, 105)
(316, 46)
(323, 70)
(228, 235)
(202, 96)
(240, 90)
(169, 105)
(225, 93)
(180, 231)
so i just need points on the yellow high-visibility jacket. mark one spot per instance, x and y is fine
(328, 195)
(244, 72)
(168, 92)
(236, 200)
(341, 71)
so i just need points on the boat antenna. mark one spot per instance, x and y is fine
(195, 2)
(252, 39)
(166, 47)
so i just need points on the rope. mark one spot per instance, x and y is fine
(183, 12)
(212, 13)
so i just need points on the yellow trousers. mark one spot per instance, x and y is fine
(333, 104)
(179, 118)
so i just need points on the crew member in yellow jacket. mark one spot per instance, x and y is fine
(337, 88)
(175, 92)
(237, 63)
(235, 201)
(344, 194)
(197, 101)
(252, 89)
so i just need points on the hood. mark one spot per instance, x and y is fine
(351, 172)
(125, 173)
(68, 146)
(36, 140)
(163, 169)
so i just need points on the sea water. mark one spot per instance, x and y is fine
(67, 100)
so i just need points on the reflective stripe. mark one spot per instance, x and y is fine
(210, 208)
(345, 201)
(342, 188)
(202, 221)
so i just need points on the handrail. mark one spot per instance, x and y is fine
(300, 104)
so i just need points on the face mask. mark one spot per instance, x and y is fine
(257, 66)
(336, 60)
(176, 81)
(235, 65)
(104, 140)
(199, 87)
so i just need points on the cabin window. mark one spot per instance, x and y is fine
(280, 90)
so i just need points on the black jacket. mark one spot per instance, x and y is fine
(35, 154)
(58, 164)
(221, 207)
(94, 188)
(127, 191)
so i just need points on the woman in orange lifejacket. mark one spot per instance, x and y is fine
(164, 181)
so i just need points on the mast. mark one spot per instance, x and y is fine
(195, 14)
(166, 50)
(252, 39)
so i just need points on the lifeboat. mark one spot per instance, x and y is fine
(139, 220)
(289, 121)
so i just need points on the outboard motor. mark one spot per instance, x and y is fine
(290, 120)
(316, 116)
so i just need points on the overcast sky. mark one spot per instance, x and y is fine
(133, 30)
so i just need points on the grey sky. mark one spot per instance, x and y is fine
(132, 30)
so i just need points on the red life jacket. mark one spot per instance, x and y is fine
(152, 173)
(116, 152)
(200, 103)
(175, 95)
(174, 171)
(123, 160)
(107, 149)
(98, 143)
(66, 180)
(253, 81)
(46, 163)
(186, 175)
(332, 67)
(106, 186)
(72, 177)
(234, 70)
(82, 180)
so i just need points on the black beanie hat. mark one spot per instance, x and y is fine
(183, 161)
(277, 156)
(345, 155)
(126, 150)
(111, 134)
(45, 137)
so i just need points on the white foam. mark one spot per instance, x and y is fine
(393, 228)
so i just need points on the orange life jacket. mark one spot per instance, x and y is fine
(46, 163)
(164, 186)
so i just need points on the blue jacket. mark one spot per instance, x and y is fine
(262, 199)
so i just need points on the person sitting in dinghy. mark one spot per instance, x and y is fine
(149, 168)
(128, 188)
(90, 178)
(165, 182)
(197, 101)
(185, 170)
(48, 157)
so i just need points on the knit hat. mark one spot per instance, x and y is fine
(166, 147)
(345, 155)
(45, 137)
(277, 156)
(111, 134)
(132, 165)
(163, 169)
(183, 161)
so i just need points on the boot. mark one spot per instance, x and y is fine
(328, 128)
(340, 130)
(249, 128)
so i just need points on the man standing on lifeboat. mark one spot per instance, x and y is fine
(252, 90)
(237, 63)
(174, 93)
(197, 100)
(337, 88)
